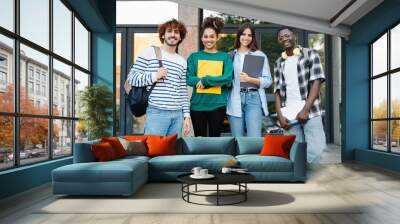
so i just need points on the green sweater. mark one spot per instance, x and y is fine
(204, 101)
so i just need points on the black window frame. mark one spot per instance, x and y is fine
(388, 74)
(16, 115)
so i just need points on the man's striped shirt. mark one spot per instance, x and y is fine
(170, 93)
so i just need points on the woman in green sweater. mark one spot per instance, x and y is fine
(209, 72)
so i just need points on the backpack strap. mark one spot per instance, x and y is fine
(157, 51)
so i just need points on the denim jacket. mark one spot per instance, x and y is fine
(234, 102)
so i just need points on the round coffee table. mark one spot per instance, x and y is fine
(238, 179)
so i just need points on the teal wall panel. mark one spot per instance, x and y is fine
(380, 159)
(103, 58)
(355, 96)
(24, 178)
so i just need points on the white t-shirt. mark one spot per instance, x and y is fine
(294, 103)
(241, 58)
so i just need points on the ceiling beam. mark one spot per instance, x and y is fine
(346, 12)
(270, 15)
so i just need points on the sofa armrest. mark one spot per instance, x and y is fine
(83, 152)
(298, 155)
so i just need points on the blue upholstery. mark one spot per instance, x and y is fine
(83, 152)
(298, 155)
(184, 163)
(274, 176)
(206, 145)
(259, 163)
(249, 145)
(126, 175)
(119, 177)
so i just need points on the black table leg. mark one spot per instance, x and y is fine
(188, 190)
(217, 194)
(245, 193)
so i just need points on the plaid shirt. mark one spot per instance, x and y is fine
(308, 69)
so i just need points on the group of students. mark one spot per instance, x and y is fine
(298, 74)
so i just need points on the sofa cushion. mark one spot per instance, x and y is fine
(185, 163)
(83, 152)
(277, 145)
(249, 145)
(133, 157)
(116, 145)
(257, 163)
(206, 145)
(136, 137)
(161, 145)
(112, 171)
(103, 152)
(136, 147)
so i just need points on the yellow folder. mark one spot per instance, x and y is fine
(210, 68)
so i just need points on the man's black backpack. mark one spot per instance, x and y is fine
(138, 97)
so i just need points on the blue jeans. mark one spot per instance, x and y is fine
(163, 122)
(312, 132)
(251, 116)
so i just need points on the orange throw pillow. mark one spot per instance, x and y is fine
(277, 145)
(136, 137)
(161, 145)
(103, 151)
(116, 145)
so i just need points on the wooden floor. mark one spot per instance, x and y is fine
(377, 188)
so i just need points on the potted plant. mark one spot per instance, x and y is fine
(96, 102)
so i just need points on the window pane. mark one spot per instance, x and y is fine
(6, 74)
(231, 19)
(34, 72)
(143, 40)
(395, 47)
(395, 95)
(379, 135)
(379, 55)
(395, 135)
(81, 81)
(273, 50)
(62, 138)
(6, 142)
(33, 139)
(35, 21)
(62, 89)
(81, 45)
(62, 29)
(81, 131)
(226, 42)
(138, 124)
(7, 14)
(161, 11)
(118, 56)
(379, 98)
(316, 41)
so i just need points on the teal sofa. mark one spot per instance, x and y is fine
(125, 176)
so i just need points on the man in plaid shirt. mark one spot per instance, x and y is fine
(298, 75)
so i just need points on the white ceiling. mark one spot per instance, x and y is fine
(314, 15)
(321, 9)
